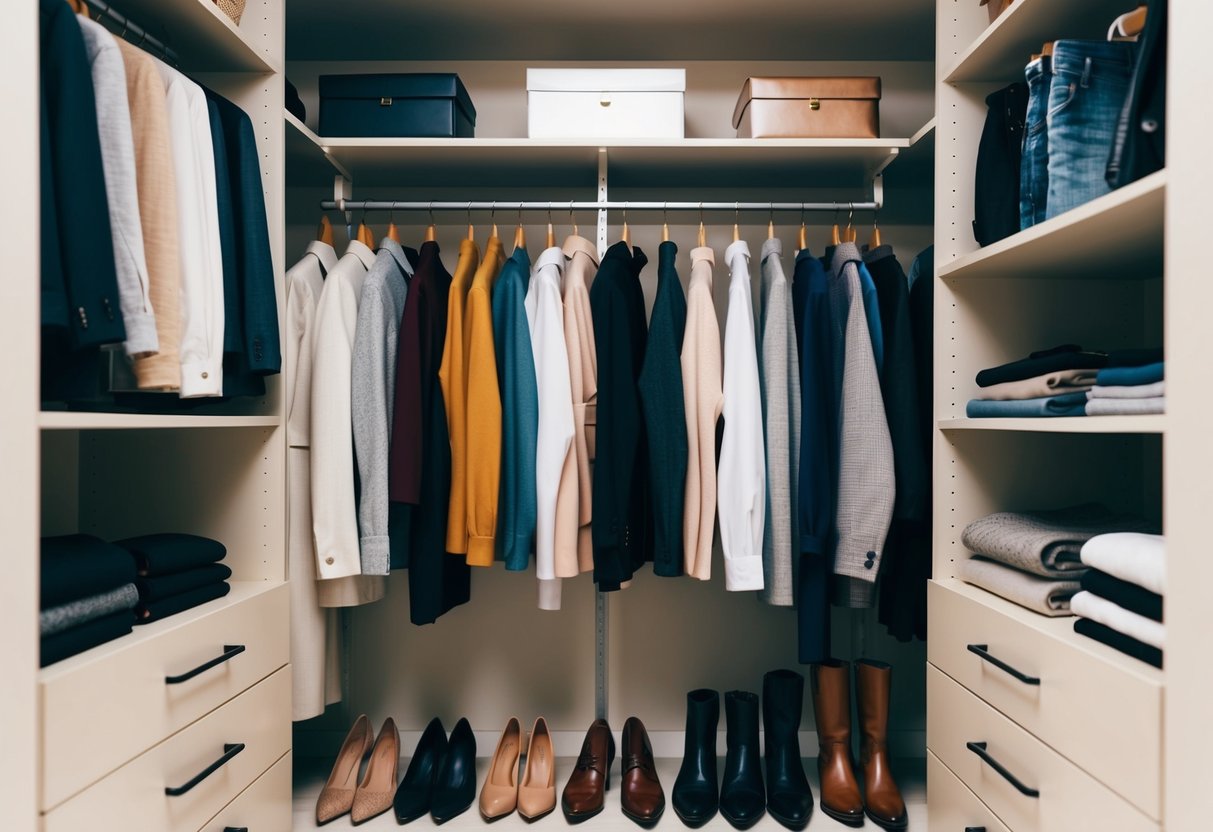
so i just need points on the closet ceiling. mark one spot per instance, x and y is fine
(602, 30)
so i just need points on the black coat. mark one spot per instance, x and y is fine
(622, 529)
(80, 308)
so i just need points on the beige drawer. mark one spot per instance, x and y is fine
(1067, 799)
(952, 805)
(264, 806)
(105, 707)
(1099, 708)
(135, 796)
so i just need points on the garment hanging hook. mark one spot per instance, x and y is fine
(625, 213)
(665, 212)
(549, 213)
(850, 214)
(431, 213)
(493, 212)
(736, 213)
(701, 213)
(391, 213)
(469, 212)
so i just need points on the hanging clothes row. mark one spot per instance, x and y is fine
(154, 232)
(513, 410)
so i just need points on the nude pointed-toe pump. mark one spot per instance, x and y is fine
(337, 796)
(537, 789)
(499, 796)
(378, 787)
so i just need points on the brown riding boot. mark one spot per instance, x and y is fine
(882, 798)
(840, 798)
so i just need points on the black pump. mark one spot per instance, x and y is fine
(416, 790)
(789, 797)
(696, 797)
(742, 797)
(455, 784)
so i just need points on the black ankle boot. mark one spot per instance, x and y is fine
(696, 796)
(742, 798)
(789, 798)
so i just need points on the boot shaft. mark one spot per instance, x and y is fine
(741, 720)
(782, 702)
(831, 685)
(873, 685)
(703, 717)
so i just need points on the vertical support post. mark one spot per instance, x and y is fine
(343, 189)
(601, 648)
(602, 197)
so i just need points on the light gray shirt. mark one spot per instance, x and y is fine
(779, 377)
(374, 388)
(866, 487)
(118, 163)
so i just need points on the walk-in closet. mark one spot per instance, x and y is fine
(284, 482)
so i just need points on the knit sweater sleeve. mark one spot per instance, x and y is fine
(483, 425)
(370, 410)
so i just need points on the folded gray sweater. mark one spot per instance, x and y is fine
(1046, 543)
(1047, 596)
(65, 616)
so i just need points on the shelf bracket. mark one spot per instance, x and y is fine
(343, 189)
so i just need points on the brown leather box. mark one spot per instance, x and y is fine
(846, 107)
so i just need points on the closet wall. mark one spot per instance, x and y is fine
(500, 656)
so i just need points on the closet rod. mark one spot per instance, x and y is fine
(131, 31)
(576, 205)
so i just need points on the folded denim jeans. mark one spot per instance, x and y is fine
(1034, 164)
(1067, 404)
(1126, 376)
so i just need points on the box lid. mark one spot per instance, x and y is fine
(603, 80)
(854, 87)
(399, 85)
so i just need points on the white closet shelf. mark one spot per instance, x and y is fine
(1063, 424)
(306, 158)
(633, 162)
(70, 420)
(1002, 50)
(206, 39)
(310, 774)
(1118, 236)
(241, 591)
(1061, 628)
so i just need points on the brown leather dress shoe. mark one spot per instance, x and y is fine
(881, 798)
(585, 793)
(840, 798)
(643, 799)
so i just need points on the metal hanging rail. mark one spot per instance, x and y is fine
(580, 205)
(132, 32)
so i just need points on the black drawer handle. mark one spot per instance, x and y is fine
(230, 750)
(245, 829)
(967, 829)
(230, 651)
(983, 651)
(979, 748)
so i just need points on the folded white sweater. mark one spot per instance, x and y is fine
(1103, 611)
(1131, 556)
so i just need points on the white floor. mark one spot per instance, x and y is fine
(310, 775)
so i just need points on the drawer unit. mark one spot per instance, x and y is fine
(952, 805)
(1098, 708)
(104, 708)
(188, 778)
(264, 806)
(1029, 786)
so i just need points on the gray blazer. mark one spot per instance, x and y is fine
(866, 487)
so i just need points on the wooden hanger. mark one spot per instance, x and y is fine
(493, 220)
(393, 233)
(874, 240)
(431, 233)
(520, 232)
(771, 225)
(324, 232)
(665, 225)
(626, 233)
(736, 223)
(1129, 25)
(835, 237)
(365, 236)
(573, 220)
(551, 238)
(79, 7)
(802, 238)
(850, 233)
(1047, 49)
(703, 236)
(471, 229)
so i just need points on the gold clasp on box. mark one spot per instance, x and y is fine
(814, 104)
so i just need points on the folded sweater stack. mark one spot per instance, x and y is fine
(176, 572)
(1033, 558)
(87, 595)
(1121, 601)
(1067, 380)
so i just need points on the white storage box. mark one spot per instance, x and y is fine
(605, 103)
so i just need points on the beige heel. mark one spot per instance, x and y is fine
(537, 791)
(378, 787)
(337, 796)
(499, 796)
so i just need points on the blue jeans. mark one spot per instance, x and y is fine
(1034, 166)
(1090, 82)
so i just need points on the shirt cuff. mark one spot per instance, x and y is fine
(376, 552)
(854, 560)
(141, 338)
(481, 550)
(549, 593)
(332, 564)
(743, 574)
(201, 378)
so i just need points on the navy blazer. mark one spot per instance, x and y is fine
(250, 306)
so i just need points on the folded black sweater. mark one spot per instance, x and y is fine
(86, 636)
(1064, 357)
(157, 610)
(79, 566)
(165, 586)
(170, 552)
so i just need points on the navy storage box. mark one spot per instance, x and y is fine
(420, 105)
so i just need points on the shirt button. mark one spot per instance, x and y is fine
(329, 560)
(1149, 125)
(83, 317)
(109, 310)
(205, 374)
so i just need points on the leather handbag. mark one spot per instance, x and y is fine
(846, 107)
